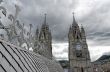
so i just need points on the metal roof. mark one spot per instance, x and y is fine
(16, 59)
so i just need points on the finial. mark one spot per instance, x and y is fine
(45, 18)
(73, 16)
(74, 21)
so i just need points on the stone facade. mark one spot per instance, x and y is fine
(43, 41)
(79, 58)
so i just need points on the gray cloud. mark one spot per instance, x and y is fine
(94, 15)
(59, 17)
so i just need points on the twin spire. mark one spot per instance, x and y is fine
(74, 21)
(73, 24)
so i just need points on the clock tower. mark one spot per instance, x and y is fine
(79, 58)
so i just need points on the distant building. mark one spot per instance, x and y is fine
(102, 64)
(79, 57)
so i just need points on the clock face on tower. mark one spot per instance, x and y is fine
(78, 46)
(78, 50)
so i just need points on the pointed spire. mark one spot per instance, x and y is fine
(44, 24)
(45, 18)
(82, 31)
(37, 34)
(74, 21)
(73, 17)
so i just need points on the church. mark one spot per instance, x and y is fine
(16, 59)
(79, 57)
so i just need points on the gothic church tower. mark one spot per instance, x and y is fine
(44, 39)
(79, 57)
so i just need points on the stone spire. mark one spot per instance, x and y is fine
(83, 33)
(74, 21)
(36, 40)
(37, 32)
(44, 30)
(45, 19)
(45, 40)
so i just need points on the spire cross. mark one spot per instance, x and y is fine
(45, 18)
(73, 18)
(73, 15)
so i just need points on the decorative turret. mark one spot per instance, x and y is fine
(83, 34)
(36, 38)
(70, 34)
(37, 33)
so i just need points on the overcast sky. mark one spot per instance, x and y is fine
(94, 15)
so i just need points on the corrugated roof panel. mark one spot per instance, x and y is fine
(22, 63)
(16, 59)
(2, 69)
